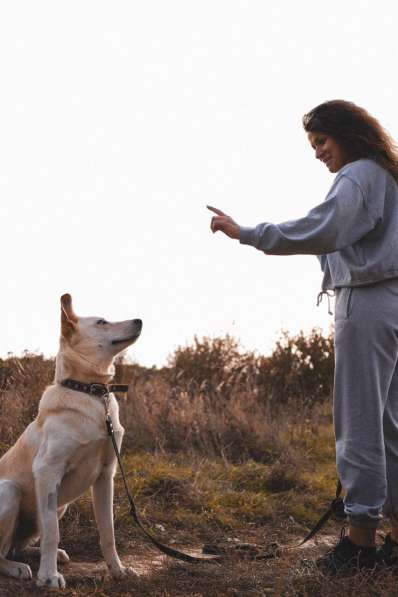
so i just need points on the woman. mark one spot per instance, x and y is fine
(354, 232)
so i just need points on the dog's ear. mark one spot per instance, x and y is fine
(68, 316)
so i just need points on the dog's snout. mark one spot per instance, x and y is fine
(138, 323)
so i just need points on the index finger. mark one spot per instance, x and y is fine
(216, 211)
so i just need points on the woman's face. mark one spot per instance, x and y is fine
(328, 151)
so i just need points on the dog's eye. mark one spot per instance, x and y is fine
(101, 322)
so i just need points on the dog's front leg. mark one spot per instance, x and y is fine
(47, 500)
(102, 494)
(48, 469)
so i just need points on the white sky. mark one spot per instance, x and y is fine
(120, 121)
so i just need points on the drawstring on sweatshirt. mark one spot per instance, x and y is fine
(329, 295)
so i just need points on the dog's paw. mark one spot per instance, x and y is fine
(19, 570)
(54, 581)
(123, 572)
(62, 556)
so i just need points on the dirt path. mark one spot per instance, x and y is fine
(159, 575)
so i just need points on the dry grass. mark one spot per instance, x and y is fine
(219, 445)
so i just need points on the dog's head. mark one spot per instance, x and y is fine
(94, 340)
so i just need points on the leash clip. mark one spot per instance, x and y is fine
(109, 425)
(106, 405)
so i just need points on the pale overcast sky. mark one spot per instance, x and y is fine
(120, 121)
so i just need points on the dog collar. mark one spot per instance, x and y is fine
(94, 389)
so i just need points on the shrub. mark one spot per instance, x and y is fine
(213, 398)
(299, 371)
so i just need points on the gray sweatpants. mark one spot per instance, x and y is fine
(366, 400)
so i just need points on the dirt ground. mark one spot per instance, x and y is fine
(271, 571)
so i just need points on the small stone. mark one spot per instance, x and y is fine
(160, 528)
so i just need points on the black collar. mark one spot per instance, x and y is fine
(94, 389)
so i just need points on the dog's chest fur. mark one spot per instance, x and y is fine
(79, 423)
(84, 468)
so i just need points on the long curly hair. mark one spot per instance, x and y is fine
(356, 131)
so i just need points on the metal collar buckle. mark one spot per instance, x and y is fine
(98, 389)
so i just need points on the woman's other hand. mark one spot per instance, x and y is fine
(223, 223)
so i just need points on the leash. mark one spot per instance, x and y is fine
(336, 507)
(174, 553)
(103, 391)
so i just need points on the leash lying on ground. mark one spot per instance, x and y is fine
(336, 507)
(102, 391)
(274, 549)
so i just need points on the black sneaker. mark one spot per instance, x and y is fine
(346, 555)
(388, 552)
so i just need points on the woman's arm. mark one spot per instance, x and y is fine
(341, 220)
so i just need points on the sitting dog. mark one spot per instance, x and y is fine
(66, 450)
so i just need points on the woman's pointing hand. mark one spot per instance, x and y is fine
(223, 223)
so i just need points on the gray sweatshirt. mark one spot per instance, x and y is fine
(354, 232)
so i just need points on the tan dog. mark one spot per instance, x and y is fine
(65, 451)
